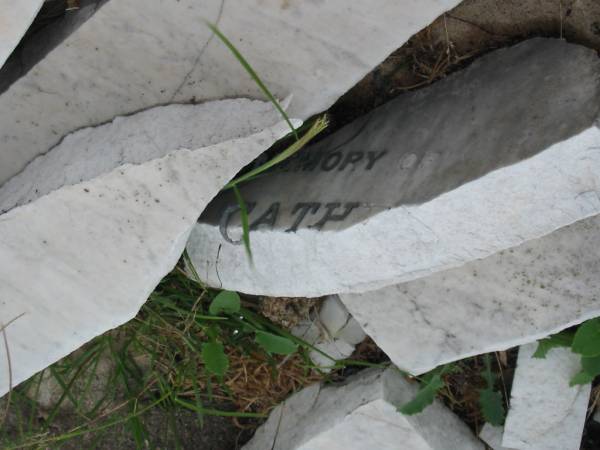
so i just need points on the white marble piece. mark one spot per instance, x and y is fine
(135, 139)
(15, 18)
(514, 297)
(361, 414)
(545, 412)
(506, 151)
(82, 259)
(135, 54)
(333, 331)
(492, 436)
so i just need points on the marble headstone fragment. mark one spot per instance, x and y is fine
(511, 298)
(545, 412)
(334, 332)
(506, 151)
(492, 436)
(135, 54)
(135, 139)
(361, 414)
(82, 259)
(15, 18)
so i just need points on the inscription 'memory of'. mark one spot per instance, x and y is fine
(300, 211)
(333, 160)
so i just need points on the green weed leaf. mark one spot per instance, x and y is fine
(581, 378)
(587, 339)
(215, 359)
(424, 397)
(564, 339)
(227, 302)
(492, 407)
(272, 343)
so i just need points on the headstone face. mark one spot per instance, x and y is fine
(83, 258)
(514, 297)
(361, 414)
(503, 152)
(135, 54)
(545, 412)
(15, 18)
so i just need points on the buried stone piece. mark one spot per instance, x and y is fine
(15, 18)
(361, 414)
(506, 151)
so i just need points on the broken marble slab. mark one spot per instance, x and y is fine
(492, 436)
(82, 259)
(514, 297)
(135, 139)
(15, 18)
(333, 332)
(545, 412)
(505, 151)
(135, 54)
(361, 414)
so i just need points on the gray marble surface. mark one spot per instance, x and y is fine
(361, 414)
(545, 412)
(82, 259)
(511, 298)
(15, 18)
(135, 54)
(505, 151)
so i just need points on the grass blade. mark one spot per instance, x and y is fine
(252, 73)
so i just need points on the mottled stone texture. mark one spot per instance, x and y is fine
(511, 298)
(545, 412)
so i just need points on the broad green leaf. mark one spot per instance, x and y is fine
(564, 339)
(581, 378)
(591, 365)
(590, 370)
(587, 339)
(275, 344)
(492, 407)
(227, 302)
(424, 397)
(214, 357)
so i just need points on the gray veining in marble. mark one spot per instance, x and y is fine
(361, 414)
(82, 259)
(511, 298)
(135, 54)
(505, 151)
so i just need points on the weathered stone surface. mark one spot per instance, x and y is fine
(545, 412)
(15, 18)
(82, 259)
(492, 436)
(91, 152)
(361, 414)
(487, 159)
(334, 332)
(511, 298)
(135, 54)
